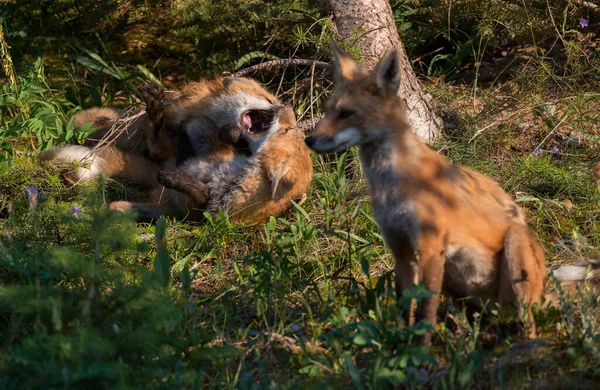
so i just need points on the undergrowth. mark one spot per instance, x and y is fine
(90, 299)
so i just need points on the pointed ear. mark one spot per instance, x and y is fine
(344, 66)
(281, 182)
(387, 72)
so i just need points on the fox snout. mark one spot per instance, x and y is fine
(337, 143)
(310, 141)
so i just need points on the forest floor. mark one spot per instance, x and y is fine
(305, 300)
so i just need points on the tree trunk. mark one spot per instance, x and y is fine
(377, 33)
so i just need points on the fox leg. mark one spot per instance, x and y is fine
(431, 272)
(108, 161)
(159, 139)
(405, 269)
(154, 97)
(522, 273)
(197, 191)
(145, 211)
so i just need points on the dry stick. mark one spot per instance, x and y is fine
(276, 63)
(313, 102)
(554, 24)
(119, 125)
(587, 4)
(524, 109)
(312, 80)
(550, 133)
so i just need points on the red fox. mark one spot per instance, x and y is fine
(247, 189)
(447, 226)
(170, 131)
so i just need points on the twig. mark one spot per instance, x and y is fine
(119, 125)
(550, 133)
(587, 4)
(524, 109)
(282, 62)
(554, 24)
(414, 61)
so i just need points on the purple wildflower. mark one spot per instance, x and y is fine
(76, 210)
(554, 149)
(584, 22)
(536, 153)
(32, 196)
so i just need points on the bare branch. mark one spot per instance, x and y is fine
(282, 62)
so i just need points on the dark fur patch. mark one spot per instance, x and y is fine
(450, 172)
(230, 133)
(429, 228)
(186, 184)
(524, 276)
(513, 212)
(146, 213)
(182, 145)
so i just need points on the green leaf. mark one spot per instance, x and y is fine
(395, 377)
(161, 228)
(148, 74)
(353, 371)
(360, 340)
(527, 199)
(162, 261)
(186, 279)
(364, 265)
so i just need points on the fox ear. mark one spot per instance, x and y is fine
(344, 66)
(387, 72)
(281, 182)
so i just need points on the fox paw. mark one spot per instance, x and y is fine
(154, 97)
(167, 177)
(121, 206)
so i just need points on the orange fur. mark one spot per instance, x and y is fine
(201, 99)
(285, 172)
(126, 157)
(284, 168)
(447, 226)
(279, 172)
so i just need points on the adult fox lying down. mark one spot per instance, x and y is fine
(247, 189)
(184, 126)
(470, 237)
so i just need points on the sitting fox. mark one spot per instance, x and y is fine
(170, 131)
(248, 189)
(447, 226)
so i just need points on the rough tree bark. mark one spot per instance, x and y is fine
(377, 33)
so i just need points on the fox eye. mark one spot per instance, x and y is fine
(345, 114)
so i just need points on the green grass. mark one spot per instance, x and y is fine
(305, 300)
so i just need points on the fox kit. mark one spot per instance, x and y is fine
(170, 131)
(195, 116)
(447, 226)
(248, 189)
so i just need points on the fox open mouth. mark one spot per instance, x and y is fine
(257, 121)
